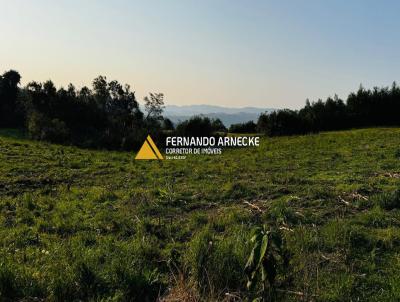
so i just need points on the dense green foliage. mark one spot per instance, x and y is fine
(365, 108)
(11, 109)
(88, 225)
(106, 116)
(248, 127)
(199, 126)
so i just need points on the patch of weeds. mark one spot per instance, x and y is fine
(236, 190)
(360, 240)
(374, 218)
(281, 213)
(198, 220)
(388, 201)
(228, 219)
(216, 263)
(100, 195)
(334, 235)
(335, 287)
(9, 285)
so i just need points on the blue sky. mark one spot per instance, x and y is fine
(229, 53)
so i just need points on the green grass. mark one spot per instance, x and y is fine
(89, 225)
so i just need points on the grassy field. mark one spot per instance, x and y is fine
(83, 225)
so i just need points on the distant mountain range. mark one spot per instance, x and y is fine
(228, 115)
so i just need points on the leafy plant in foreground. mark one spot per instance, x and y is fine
(262, 265)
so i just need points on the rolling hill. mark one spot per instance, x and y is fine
(85, 225)
(228, 115)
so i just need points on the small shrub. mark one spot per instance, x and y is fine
(264, 262)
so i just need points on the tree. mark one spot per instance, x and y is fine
(107, 116)
(10, 111)
(101, 92)
(282, 122)
(218, 126)
(248, 127)
(168, 124)
(154, 105)
(196, 126)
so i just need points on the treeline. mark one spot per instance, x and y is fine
(107, 115)
(248, 127)
(364, 108)
(104, 116)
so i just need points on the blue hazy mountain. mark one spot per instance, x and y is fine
(228, 115)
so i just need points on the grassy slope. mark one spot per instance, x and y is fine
(86, 224)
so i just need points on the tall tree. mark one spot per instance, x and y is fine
(154, 105)
(10, 115)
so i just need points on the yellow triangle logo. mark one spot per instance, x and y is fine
(149, 150)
